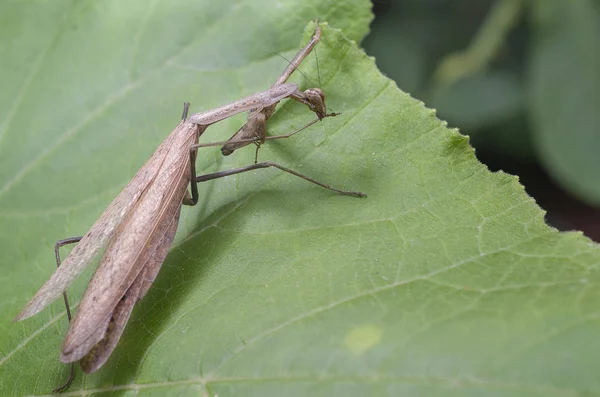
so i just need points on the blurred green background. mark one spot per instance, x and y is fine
(520, 77)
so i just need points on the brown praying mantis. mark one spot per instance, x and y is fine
(138, 227)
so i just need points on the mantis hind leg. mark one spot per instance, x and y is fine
(61, 243)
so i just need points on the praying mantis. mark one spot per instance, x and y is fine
(137, 229)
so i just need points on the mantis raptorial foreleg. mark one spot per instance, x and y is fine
(255, 129)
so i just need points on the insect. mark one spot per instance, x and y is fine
(137, 230)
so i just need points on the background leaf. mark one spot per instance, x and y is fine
(468, 103)
(444, 281)
(565, 93)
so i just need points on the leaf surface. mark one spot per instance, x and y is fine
(444, 281)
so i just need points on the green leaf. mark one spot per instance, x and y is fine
(565, 93)
(444, 281)
(468, 102)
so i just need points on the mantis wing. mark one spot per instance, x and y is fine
(102, 350)
(138, 237)
(95, 239)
